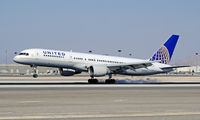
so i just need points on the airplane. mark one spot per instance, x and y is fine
(71, 63)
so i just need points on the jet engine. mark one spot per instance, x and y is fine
(97, 71)
(68, 72)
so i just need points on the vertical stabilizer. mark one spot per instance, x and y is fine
(164, 54)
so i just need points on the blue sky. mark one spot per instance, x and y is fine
(138, 27)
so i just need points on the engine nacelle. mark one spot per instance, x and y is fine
(68, 72)
(97, 71)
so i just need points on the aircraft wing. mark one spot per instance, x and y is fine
(132, 66)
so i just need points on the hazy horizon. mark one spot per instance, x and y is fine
(136, 27)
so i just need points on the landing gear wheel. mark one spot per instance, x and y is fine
(92, 81)
(35, 75)
(34, 67)
(110, 81)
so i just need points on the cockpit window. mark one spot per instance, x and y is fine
(24, 54)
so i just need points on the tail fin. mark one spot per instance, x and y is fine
(164, 54)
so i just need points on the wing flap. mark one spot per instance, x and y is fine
(132, 66)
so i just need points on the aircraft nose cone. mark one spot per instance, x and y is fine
(16, 59)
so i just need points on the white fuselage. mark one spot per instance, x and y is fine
(82, 61)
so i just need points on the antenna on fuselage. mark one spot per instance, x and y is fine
(15, 53)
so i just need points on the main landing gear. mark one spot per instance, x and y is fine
(107, 81)
(110, 80)
(34, 67)
(92, 80)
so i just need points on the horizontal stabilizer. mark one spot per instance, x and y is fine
(174, 67)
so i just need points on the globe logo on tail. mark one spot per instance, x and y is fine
(162, 55)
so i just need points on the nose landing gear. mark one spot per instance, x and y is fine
(34, 67)
(35, 75)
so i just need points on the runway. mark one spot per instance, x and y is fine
(86, 85)
(99, 101)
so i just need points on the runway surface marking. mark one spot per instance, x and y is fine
(99, 115)
(22, 102)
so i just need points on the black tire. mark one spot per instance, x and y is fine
(92, 81)
(110, 81)
(35, 75)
